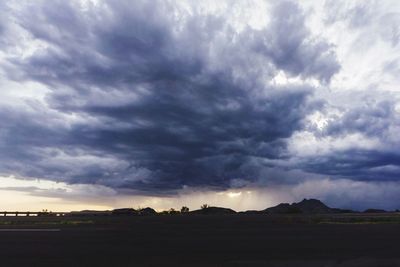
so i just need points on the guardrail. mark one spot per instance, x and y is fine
(30, 213)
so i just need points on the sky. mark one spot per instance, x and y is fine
(241, 104)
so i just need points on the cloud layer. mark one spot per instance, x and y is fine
(158, 97)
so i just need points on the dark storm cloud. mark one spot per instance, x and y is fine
(296, 51)
(163, 100)
(359, 164)
(370, 119)
(372, 158)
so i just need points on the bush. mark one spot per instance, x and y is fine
(205, 206)
(173, 211)
(184, 209)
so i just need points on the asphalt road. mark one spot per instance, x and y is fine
(196, 241)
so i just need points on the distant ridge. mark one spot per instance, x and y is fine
(306, 206)
(130, 211)
(213, 211)
(374, 211)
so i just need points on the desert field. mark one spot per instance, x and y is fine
(202, 240)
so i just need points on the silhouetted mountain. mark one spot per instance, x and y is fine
(214, 211)
(251, 212)
(283, 208)
(306, 206)
(125, 211)
(90, 213)
(147, 211)
(374, 211)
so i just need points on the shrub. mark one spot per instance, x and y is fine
(184, 209)
(205, 206)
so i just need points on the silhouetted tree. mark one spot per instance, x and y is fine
(184, 209)
(172, 211)
(205, 206)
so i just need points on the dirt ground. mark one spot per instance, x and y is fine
(230, 240)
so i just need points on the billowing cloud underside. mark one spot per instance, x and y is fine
(156, 96)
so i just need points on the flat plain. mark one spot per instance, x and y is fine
(202, 240)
